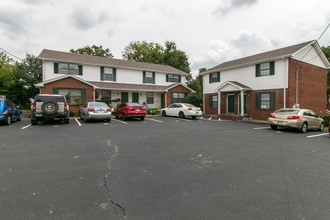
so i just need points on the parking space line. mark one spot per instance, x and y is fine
(77, 122)
(155, 120)
(26, 126)
(259, 128)
(317, 135)
(119, 121)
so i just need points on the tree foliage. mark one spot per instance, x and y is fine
(27, 73)
(94, 51)
(157, 54)
(197, 85)
(6, 74)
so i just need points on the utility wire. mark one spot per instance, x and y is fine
(317, 40)
(10, 54)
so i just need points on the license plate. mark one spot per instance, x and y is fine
(38, 115)
(280, 122)
(137, 110)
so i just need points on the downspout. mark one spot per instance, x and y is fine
(93, 93)
(242, 102)
(219, 102)
(285, 81)
(297, 85)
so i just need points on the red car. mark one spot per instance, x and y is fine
(131, 110)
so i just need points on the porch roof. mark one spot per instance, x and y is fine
(132, 87)
(230, 86)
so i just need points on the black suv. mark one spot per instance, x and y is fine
(49, 106)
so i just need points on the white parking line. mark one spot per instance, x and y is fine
(77, 122)
(26, 126)
(119, 121)
(259, 128)
(152, 119)
(317, 135)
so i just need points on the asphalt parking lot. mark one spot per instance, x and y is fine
(162, 168)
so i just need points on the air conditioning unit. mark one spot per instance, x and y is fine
(296, 106)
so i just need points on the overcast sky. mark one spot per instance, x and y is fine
(209, 31)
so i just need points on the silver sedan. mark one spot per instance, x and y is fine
(95, 111)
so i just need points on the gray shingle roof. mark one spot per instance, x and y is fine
(52, 55)
(265, 56)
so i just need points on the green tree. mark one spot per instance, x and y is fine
(197, 85)
(94, 51)
(326, 51)
(157, 54)
(175, 58)
(27, 73)
(144, 52)
(6, 75)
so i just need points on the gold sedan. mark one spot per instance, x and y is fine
(302, 119)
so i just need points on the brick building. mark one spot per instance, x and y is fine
(84, 78)
(286, 77)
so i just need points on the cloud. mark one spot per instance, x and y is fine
(227, 5)
(246, 43)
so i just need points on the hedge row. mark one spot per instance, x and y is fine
(326, 119)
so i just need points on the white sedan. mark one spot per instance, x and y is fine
(182, 110)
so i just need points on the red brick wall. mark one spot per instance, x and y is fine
(177, 89)
(207, 109)
(312, 87)
(69, 83)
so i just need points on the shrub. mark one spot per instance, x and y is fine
(153, 111)
(72, 113)
(326, 119)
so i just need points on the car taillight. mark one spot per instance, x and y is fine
(34, 106)
(189, 109)
(91, 110)
(293, 117)
(272, 116)
(65, 106)
(108, 109)
(130, 109)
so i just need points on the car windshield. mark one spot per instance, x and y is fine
(189, 105)
(98, 105)
(287, 112)
(50, 98)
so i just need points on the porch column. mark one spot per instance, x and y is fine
(219, 102)
(242, 102)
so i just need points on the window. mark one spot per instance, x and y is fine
(213, 101)
(214, 77)
(106, 95)
(148, 77)
(265, 100)
(68, 68)
(108, 74)
(173, 78)
(178, 97)
(150, 98)
(73, 96)
(265, 69)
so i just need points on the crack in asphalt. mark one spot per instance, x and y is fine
(106, 185)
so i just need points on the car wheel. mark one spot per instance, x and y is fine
(124, 117)
(34, 121)
(181, 115)
(163, 113)
(85, 119)
(193, 117)
(321, 128)
(8, 121)
(274, 127)
(142, 118)
(20, 117)
(304, 127)
(49, 107)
